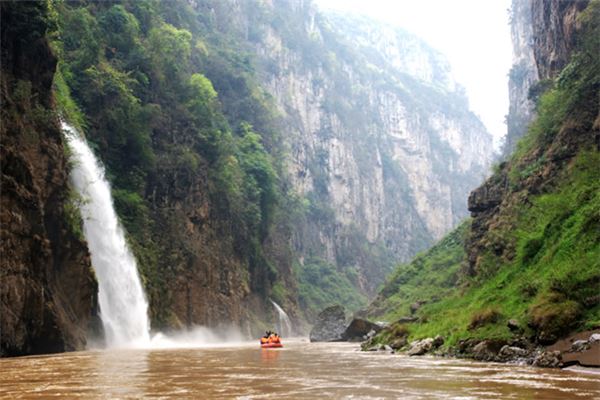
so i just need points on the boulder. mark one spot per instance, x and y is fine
(522, 343)
(595, 337)
(438, 341)
(508, 353)
(580, 345)
(487, 350)
(359, 330)
(377, 347)
(399, 343)
(330, 325)
(465, 346)
(548, 359)
(420, 347)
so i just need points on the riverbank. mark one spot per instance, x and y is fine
(581, 349)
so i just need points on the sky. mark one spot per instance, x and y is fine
(474, 35)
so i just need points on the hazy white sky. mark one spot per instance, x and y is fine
(473, 34)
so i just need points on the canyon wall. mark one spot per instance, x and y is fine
(47, 286)
(380, 140)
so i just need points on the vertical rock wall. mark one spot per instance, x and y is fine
(377, 129)
(523, 74)
(47, 287)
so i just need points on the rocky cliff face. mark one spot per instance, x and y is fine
(378, 134)
(523, 74)
(554, 27)
(554, 31)
(525, 268)
(47, 287)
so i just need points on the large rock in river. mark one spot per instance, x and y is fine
(359, 329)
(330, 325)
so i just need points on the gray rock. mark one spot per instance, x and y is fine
(594, 337)
(420, 347)
(378, 347)
(511, 353)
(548, 359)
(487, 350)
(521, 342)
(330, 325)
(399, 343)
(438, 341)
(465, 346)
(580, 345)
(358, 329)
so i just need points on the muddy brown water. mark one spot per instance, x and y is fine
(300, 370)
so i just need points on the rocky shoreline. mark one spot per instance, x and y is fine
(582, 349)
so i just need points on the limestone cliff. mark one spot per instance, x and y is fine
(554, 33)
(380, 138)
(523, 74)
(47, 287)
(525, 269)
(554, 26)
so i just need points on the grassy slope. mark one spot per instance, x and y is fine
(431, 275)
(555, 271)
(551, 285)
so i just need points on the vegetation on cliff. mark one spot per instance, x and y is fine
(533, 251)
(178, 149)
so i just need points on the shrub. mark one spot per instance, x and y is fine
(484, 317)
(552, 315)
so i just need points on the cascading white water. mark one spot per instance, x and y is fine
(123, 306)
(284, 321)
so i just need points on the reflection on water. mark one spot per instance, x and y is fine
(269, 355)
(300, 370)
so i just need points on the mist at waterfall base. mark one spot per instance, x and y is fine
(123, 305)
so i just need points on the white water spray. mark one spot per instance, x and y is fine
(123, 306)
(284, 321)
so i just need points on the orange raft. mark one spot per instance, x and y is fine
(271, 345)
(271, 342)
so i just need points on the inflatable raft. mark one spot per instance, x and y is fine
(270, 345)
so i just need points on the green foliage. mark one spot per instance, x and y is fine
(68, 109)
(556, 271)
(574, 95)
(484, 317)
(428, 278)
(150, 87)
(73, 217)
(170, 51)
(29, 20)
(553, 315)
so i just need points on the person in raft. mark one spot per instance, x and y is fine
(270, 337)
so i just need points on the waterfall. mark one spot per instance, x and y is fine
(284, 320)
(123, 306)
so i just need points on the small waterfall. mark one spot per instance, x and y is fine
(123, 306)
(284, 321)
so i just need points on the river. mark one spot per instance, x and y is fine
(300, 370)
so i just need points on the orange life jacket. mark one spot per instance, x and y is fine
(263, 340)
